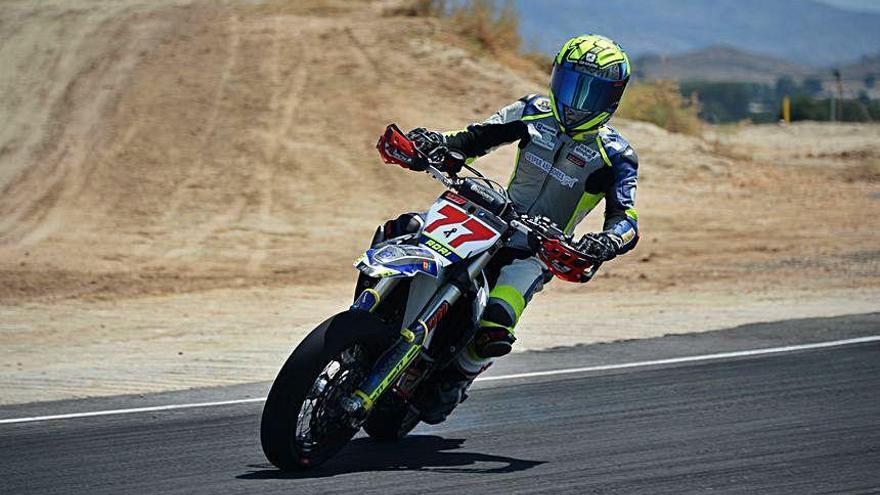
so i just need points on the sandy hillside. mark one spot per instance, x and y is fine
(184, 185)
(168, 148)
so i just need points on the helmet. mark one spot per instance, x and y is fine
(589, 75)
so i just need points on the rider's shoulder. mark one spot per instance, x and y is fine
(527, 106)
(535, 104)
(617, 147)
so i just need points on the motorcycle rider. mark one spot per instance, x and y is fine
(568, 161)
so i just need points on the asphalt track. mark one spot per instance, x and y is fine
(799, 421)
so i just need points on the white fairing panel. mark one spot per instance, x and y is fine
(455, 234)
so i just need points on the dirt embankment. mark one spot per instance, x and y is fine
(180, 176)
(188, 147)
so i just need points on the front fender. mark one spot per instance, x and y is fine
(355, 326)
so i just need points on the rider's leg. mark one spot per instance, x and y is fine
(516, 285)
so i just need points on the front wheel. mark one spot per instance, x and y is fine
(303, 424)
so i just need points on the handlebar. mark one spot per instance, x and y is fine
(555, 247)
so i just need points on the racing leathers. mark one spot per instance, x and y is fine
(558, 176)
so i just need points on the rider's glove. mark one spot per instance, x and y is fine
(602, 246)
(427, 141)
(418, 163)
(432, 146)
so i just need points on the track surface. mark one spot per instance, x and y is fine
(804, 422)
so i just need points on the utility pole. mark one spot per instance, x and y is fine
(832, 112)
(836, 73)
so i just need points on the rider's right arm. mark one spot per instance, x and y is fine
(479, 139)
(503, 127)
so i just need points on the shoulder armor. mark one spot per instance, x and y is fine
(617, 147)
(510, 113)
(535, 104)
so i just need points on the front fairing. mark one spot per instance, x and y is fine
(398, 261)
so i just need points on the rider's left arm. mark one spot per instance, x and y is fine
(621, 217)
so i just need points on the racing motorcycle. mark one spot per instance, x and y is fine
(418, 301)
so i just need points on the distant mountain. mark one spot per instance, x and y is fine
(802, 31)
(856, 5)
(723, 63)
(718, 63)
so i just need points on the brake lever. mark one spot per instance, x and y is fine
(449, 182)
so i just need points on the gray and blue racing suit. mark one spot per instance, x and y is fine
(558, 176)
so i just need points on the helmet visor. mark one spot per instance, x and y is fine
(580, 96)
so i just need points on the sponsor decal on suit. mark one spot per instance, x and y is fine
(543, 135)
(542, 104)
(580, 162)
(548, 167)
(585, 152)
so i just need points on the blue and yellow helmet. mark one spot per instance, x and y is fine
(589, 75)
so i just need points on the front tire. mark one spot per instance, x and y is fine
(302, 425)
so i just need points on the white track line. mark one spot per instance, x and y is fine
(567, 371)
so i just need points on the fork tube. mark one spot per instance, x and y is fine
(431, 310)
(370, 298)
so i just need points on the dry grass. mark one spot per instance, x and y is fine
(661, 103)
(492, 26)
(418, 8)
(486, 28)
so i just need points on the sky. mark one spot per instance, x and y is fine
(859, 5)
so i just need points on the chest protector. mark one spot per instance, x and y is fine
(551, 172)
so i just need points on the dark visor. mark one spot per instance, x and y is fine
(581, 96)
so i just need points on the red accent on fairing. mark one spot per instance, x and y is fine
(451, 215)
(394, 142)
(478, 232)
(563, 261)
(455, 198)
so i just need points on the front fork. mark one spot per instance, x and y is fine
(413, 339)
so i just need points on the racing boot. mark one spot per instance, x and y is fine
(493, 339)
(489, 342)
(449, 391)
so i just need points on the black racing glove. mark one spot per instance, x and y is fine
(434, 151)
(431, 146)
(602, 246)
